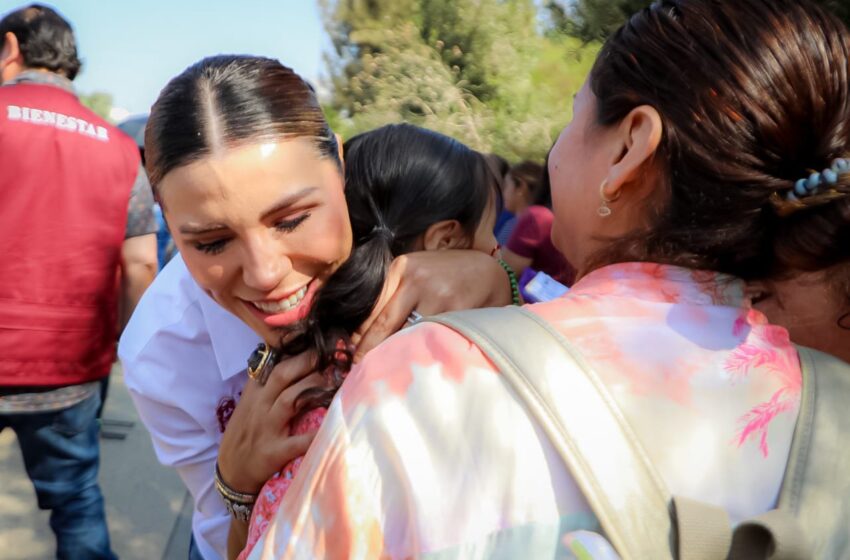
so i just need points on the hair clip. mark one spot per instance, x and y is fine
(811, 184)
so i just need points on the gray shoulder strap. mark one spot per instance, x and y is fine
(569, 401)
(816, 488)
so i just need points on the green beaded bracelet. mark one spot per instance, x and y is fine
(514, 284)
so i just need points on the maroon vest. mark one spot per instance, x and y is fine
(65, 182)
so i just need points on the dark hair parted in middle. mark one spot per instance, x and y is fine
(226, 101)
(753, 96)
(399, 180)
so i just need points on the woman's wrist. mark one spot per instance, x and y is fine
(239, 504)
(236, 476)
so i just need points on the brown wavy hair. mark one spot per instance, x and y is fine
(753, 95)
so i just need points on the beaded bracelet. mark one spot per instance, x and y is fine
(514, 284)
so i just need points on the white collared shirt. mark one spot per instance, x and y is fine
(184, 360)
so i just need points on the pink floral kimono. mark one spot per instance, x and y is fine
(426, 453)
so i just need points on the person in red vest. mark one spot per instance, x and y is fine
(77, 236)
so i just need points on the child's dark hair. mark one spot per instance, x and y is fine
(399, 180)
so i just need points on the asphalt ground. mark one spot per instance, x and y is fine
(148, 509)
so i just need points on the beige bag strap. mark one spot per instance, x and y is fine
(812, 519)
(704, 532)
(617, 479)
(816, 488)
(621, 485)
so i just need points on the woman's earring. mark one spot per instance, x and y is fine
(604, 211)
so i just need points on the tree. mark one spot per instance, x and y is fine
(595, 20)
(479, 70)
(100, 102)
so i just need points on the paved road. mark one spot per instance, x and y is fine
(147, 506)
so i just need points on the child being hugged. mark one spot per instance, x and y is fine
(408, 189)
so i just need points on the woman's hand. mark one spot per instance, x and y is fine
(433, 282)
(256, 443)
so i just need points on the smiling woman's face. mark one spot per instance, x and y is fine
(260, 228)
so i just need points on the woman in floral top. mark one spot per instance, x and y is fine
(687, 169)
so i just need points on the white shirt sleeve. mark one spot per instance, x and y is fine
(181, 442)
(175, 379)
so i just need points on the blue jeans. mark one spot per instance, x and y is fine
(194, 553)
(62, 455)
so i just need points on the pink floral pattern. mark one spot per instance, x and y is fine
(275, 488)
(425, 450)
(767, 348)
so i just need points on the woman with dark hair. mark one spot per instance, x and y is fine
(408, 189)
(523, 187)
(249, 177)
(708, 147)
(527, 240)
(500, 168)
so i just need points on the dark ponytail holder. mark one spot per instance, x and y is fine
(381, 230)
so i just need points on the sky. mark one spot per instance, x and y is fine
(131, 48)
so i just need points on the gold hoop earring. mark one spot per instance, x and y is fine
(604, 211)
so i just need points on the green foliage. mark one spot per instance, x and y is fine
(595, 20)
(479, 70)
(99, 102)
(497, 74)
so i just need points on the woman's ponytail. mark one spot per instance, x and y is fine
(342, 304)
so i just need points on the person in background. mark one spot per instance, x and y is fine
(528, 247)
(134, 127)
(522, 187)
(499, 168)
(165, 248)
(75, 215)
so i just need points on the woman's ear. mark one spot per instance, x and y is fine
(447, 234)
(640, 135)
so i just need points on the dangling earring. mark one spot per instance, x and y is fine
(604, 211)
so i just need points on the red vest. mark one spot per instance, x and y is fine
(65, 182)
